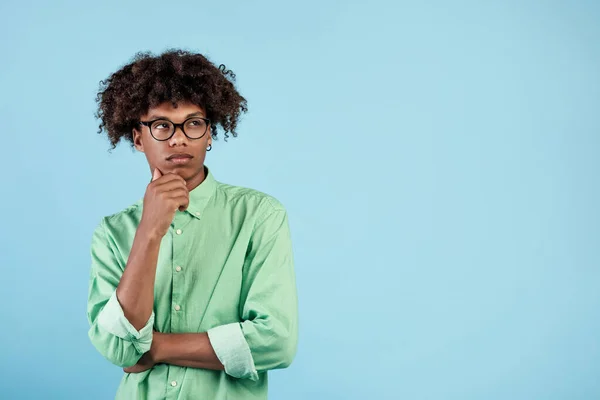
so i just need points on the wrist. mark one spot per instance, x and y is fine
(148, 233)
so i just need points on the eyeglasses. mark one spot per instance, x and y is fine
(163, 129)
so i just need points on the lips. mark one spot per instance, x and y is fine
(180, 159)
(179, 156)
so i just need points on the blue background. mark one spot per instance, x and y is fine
(439, 161)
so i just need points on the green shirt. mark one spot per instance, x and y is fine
(224, 267)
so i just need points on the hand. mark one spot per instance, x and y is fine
(144, 364)
(165, 195)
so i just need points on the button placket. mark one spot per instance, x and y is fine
(174, 380)
(178, 278)
(173, 375)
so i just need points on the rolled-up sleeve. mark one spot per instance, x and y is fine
(232, 350)
(110, 332)
(267, 337)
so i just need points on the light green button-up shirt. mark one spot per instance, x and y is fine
(224, 267)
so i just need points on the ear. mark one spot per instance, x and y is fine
(137, 140)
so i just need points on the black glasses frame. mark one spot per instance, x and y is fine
(175, 126)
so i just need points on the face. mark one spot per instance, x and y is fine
(160, 154)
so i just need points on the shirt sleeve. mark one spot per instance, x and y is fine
(267, 337)
(110, 332)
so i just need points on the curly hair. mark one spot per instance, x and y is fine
(173, 76)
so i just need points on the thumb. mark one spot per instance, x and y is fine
(156, 174)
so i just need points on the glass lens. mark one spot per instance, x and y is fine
(195, 127)
(162, 129)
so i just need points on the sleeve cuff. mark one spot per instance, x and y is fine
(232, 350)
(113, 320)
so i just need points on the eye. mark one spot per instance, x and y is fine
(196, 123)
(161, 125)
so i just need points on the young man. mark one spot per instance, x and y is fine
(192, 288)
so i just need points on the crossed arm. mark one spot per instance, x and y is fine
(192, 350)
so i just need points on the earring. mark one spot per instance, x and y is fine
(209, 148)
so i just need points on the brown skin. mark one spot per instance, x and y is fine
(157, 152)
(167, 192)
(191, 350)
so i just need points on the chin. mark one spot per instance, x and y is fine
(185, 171)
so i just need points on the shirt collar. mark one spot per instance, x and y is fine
(201, 194)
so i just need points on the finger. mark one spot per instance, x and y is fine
(134, 369)
(156, 174)
(176, 193)
(167, 184)
(180, 198)
(170, 177)
(181, 202)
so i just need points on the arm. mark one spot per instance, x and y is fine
(191, 350)
(110, 330)
(164, 195)
(135, 291)
(186, 350)
(267, 337)
(120, 303)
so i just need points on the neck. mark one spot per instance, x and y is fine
(197, 179)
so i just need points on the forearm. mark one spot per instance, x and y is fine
(186, 350)
(135, 291)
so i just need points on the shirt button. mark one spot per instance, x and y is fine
(177, 307)
(174, 383)
(178, 269)
(197, 213)
(178, 231)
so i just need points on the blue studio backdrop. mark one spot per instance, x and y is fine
(439, 161)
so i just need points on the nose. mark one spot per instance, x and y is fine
(178, 137)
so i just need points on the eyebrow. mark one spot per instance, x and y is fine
(194, 114)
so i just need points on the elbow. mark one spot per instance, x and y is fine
(285, 349)
(273, 344)
(122, 360)
(285, 358)
(114, 349)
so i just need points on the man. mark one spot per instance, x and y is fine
(192, 289)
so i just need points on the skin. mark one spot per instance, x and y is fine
(156, 152)
(166, 193)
